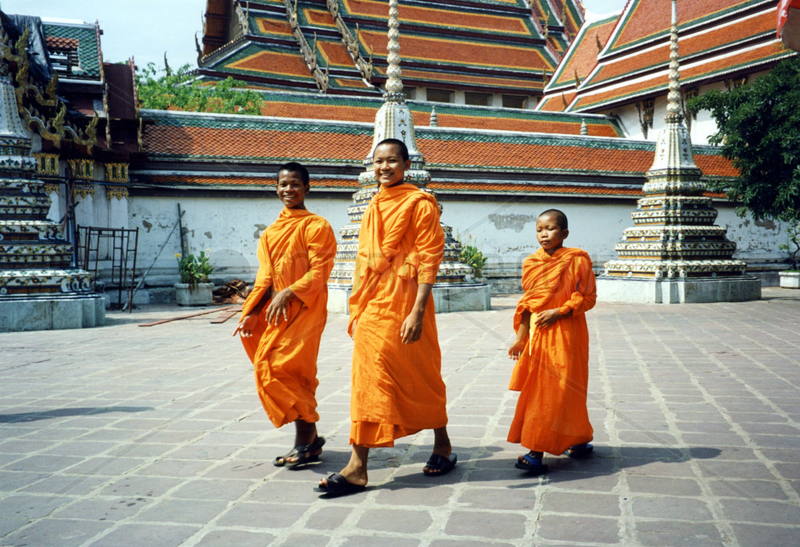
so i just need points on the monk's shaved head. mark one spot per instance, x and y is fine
(559, 216)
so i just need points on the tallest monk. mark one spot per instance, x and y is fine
(397, 386)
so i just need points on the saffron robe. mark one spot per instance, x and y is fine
(296, 251)
(397, 388)
(553, 372)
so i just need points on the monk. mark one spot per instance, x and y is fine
(552, 348)
(296, 258)
(397, 386)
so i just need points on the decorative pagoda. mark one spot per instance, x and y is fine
(455, 288)
(675, 253)
(39, 288)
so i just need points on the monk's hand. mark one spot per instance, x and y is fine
(411, 329)
(246, 326)
(279, 306)
(546, 318)
(515, 351)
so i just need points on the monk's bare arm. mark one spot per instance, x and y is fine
(411, 329)
(516, 348)
(248, 322)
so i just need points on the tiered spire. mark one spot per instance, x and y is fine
(675, 235)
(393, 121)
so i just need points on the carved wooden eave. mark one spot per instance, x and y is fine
(39, 107)
(309, 55)
(351, 42)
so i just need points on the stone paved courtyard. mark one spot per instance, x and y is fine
(128, 435)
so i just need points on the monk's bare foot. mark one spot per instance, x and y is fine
(354, 476)
(355, 472)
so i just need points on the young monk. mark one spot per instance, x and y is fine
(552, 348)
(296, 258)
(397, 386)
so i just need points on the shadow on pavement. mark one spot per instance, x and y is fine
(63, 412)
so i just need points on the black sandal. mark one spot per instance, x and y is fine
(580, 450)
(337, 485)
(305, 454)
(439, 465)
(531, 464)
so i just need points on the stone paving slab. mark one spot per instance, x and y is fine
(128, 435)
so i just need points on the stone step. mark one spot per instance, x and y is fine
(24, 255)
(29, 230)
(40, 281)
(10, 187)
(25, 200)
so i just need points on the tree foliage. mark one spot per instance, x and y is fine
(171, 90)
(759, 130)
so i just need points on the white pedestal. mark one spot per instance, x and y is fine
(678, 291)
(790, 280)
(446, 298)
(30, 313)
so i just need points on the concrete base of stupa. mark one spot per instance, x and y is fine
(446, 298)
(26, 313)
(678, 291)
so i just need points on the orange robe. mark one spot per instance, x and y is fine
(397, 388)
(296, 251)
(553, 372)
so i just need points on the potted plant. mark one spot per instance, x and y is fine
(790, 279)
(194, 288)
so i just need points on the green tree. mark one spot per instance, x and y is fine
(167, 89)
(759, 130)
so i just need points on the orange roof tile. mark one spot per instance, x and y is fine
(319, 18)
(197, 138)
(335, 54)
(690, 72)
(286, 64)
(689, 45)
(439, 17)
(643, 20)
(206, 142)
(530, 83)
(440, 185)
(556, 102)
(57, 42)
(581, 58)
(462, 52)
(274, 26)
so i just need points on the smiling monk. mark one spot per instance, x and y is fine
(397, 386)
(296, 258)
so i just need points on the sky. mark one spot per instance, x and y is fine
(146, 29)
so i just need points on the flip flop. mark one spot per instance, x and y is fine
(579, 450)
(337, 485)
(530, 464)
(300, 452)
(439, 465)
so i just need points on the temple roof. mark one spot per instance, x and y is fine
(473, 45)
(461, 160)
(83, 35)
(578, 62)
(719, 39)
(363, 109)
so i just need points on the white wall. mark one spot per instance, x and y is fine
(227, 226)
(503, 228)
